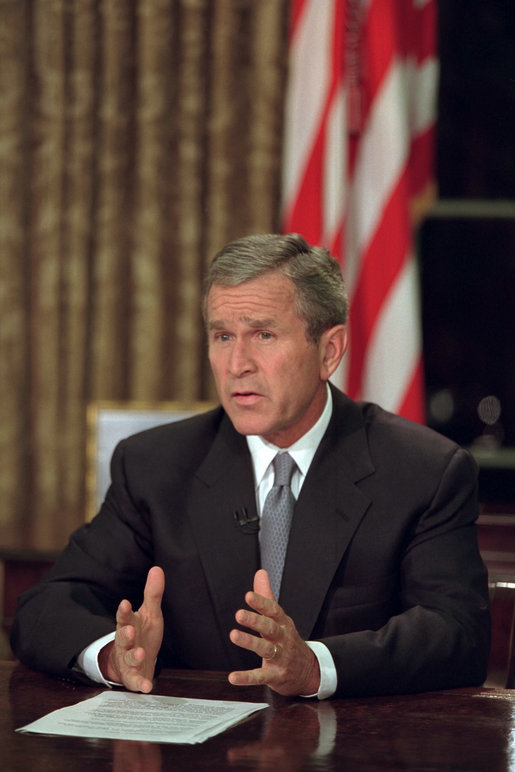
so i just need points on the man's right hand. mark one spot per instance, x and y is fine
(130, 659)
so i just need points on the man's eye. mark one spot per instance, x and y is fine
(264, 335)
(223, 337)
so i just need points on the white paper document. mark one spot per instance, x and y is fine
(146, 717)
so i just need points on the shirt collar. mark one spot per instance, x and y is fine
(302, 451)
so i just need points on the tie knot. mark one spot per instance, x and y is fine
(284, 466)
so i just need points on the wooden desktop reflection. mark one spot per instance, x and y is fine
(459, 729)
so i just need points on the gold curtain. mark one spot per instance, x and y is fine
(136, 138)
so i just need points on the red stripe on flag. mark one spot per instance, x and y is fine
(421, 162)
(412, 406)
(381, 44)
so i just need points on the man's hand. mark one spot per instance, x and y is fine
(130, 659)
(289, 666)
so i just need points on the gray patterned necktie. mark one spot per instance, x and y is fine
(276, 520)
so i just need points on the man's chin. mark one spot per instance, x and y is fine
(249, 427)
(246, 423)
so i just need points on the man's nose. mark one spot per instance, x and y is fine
(240, 360)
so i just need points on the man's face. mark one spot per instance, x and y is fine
(270, 378)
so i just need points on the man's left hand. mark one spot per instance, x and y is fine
(288, 666)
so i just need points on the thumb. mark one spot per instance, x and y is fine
(154, 588)
(262, 584)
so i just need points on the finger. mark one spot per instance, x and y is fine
(137, 683)
(262, 584)
(134, 674)
(267, 607)
(154, 589)
(247, 677)
(124, 640)
(263, 648)
(132, 669)
(124, 613)
(131, 656)
(261, 624)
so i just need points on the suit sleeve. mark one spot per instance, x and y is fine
(75, 604)
(441, 637)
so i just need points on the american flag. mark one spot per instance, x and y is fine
(358, 172)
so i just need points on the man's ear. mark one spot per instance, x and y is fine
(333, 344)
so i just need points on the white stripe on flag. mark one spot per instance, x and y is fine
(423, 82)
(394, 348)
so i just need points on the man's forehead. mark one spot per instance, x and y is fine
(264, 296)
(256, 322)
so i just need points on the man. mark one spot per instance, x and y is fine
(383, 589)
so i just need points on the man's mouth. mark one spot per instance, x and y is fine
(245, 397)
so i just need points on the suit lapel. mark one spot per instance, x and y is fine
(229, 552)
(327, 513)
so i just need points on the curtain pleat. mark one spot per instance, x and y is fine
(153, 55)
(47, 111)
(79, 189)
(136, 138)
(14, 317)
(185, 236)
(267, 46)
(114, 191)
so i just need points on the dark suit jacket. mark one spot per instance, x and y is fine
(382, 562)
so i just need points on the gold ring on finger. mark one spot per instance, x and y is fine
(274, 652)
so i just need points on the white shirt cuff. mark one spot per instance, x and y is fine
(328, 676)
(87, 661)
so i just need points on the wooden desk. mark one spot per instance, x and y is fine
(469, 729)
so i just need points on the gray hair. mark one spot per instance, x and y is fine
(320, 296)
